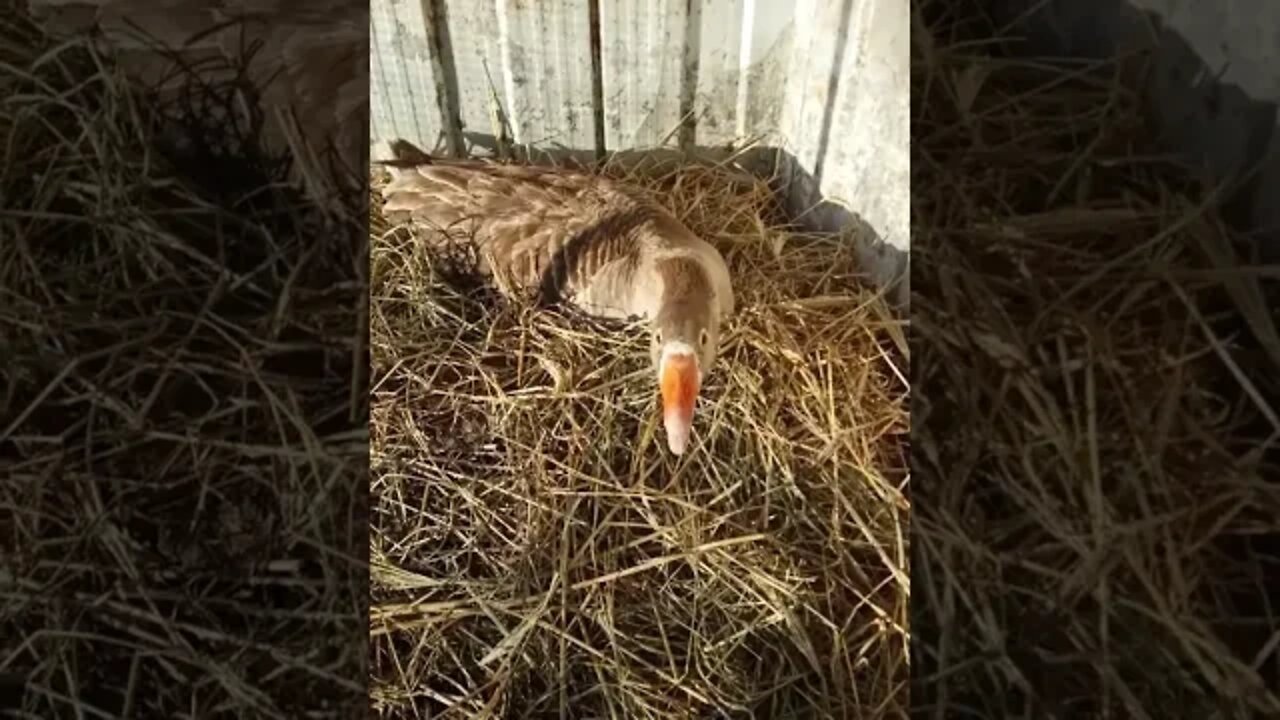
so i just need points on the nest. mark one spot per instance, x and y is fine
(536, 549)
(1095, 371)
(182, 434)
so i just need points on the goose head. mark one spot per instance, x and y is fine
(684, 341)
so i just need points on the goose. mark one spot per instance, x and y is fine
(593, 242)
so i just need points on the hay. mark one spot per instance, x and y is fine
(1095, 417)
(535, 548)
(182, 456)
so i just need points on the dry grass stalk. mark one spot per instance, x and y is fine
(1095, 420)
(535, 549)
(180, 471)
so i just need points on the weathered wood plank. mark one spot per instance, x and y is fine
(741, 66)
(403, 95)
(642, 52)
(867, 158)
(812, 76)
(547, 72)
(531, 61)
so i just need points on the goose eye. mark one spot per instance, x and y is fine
(702, 338)
(657, 336)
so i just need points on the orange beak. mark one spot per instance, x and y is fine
(679, 392)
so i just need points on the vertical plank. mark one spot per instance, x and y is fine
(642, 52)
(402, 87)
(547, 69)
(768, 35)
(471, 27)
(742, 68)
(811, 67)
(873, 117)
(721, 71)
(381, 114)
(690, 67)
(534, 59)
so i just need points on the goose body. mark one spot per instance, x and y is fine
(587, 240)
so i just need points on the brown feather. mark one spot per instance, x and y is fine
(683, 277)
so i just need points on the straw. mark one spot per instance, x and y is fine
(1095, 416)
(181, 456)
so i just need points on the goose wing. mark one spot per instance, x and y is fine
(552, 229)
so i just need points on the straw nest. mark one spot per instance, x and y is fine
(536, 549)
(1095, 375)
(181, 423)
